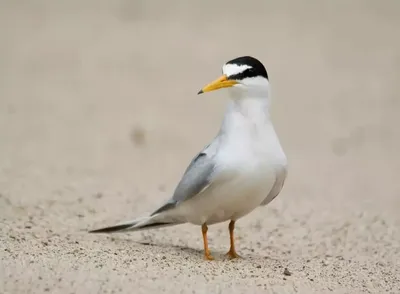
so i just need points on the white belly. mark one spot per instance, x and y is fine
(228, 200)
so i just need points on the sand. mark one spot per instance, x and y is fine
(99, 117)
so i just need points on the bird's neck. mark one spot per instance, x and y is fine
(250, 112)
(247, 126)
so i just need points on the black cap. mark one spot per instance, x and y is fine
(256, 68)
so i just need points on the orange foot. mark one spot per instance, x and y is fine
(208, 256)
(232, 254)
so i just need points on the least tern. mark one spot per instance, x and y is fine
(244, 166)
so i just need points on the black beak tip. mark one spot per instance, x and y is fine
(200, 92)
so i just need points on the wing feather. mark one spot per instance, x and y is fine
(281, 174)
(196, 179)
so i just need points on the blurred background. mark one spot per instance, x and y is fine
(99, 117)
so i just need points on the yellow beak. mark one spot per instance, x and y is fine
(221, 82)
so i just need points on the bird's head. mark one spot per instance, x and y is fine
(245, 76)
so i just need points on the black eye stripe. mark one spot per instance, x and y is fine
(248, 73)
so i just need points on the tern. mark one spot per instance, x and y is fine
(244, 166)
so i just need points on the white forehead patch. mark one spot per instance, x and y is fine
(233, 69)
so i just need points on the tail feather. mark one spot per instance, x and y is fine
(112, 229)
(146, 223)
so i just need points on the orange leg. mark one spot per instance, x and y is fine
(207, 254)
(232, 252)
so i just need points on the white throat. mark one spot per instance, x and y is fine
(251, 97)
(248, 129)
(247, 115)
(246, 112)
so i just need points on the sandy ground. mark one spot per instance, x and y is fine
(99, 117)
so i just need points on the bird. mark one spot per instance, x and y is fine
(243, 167)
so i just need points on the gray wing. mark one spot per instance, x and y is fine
(281, 174)
(197, 178)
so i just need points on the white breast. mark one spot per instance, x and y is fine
(246, 160)
(244, 176)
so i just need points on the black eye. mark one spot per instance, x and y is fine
(246, 72)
